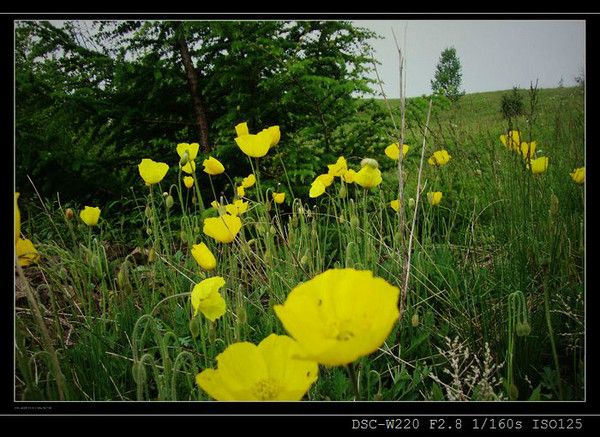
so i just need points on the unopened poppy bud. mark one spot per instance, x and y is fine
(184, 159)
(183, 236)
(354, 222)
(149, 231)
(414, 321)
(314, 234)
(194, 326)
(523, 329)
(152, 255)
(411, 203)
(341, 220)
(370, 162)
(169, 201)
(148, 212)
(165, 195)
(294, 221)
(343, 192)
(196, 230)
(304, 260)
(69, 214)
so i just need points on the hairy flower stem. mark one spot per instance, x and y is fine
(60, 381)
(551, 333)
(354, 379)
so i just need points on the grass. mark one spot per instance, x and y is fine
(494, 305)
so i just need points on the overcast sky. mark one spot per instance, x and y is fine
(495, 54)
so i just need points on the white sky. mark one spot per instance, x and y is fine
(495, 54)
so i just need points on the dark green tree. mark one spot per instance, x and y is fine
(448, 75)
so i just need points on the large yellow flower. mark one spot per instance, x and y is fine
(204, 257)
(434, 197)
(538, 165)
(439, 158)
(238, 207)
(242, 129)
(192, 152)
(393, 151)
(278, 197)
(316, 189)
(368, 177)
(90, 215)
(223, 228)
(395, 204)
(349, 176)
(152, 172)
(17, 219)
(256, 146)
(212, 166)
(267, 372)
(578, 175)
(528, 150)
(339, 168)
(512, 141)
(207, 299)
(249, 181)
(26, 252)
(340, 315)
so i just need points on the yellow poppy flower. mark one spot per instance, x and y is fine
(434, 197)
(368, 177)
(578, 175)
(212, 166)
(316, 189)
(512, 141)
(538, 165)
(17, 219)
(439, 158)
(275, 135)
(152, 172)
(26, 252)
(340, 315)
(339, 168)
(349, 177)
(267, 372)
(237, 208)
(223, 229)
(278, 197)
(204, 257)
(90, 215)
(240, 191)
(188, 181)
(395, 204)
(393, 151)
(528, 149)
(255, 146)
(249, 181)
(207, 299)
(326, 179)
(191, 149)
(189, 168)
(242, 129)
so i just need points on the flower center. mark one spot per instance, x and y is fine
(266, 389)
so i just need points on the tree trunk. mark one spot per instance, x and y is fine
(199, 110)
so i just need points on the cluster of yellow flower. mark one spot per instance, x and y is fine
(513, 142)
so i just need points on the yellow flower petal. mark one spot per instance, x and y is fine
(539, 165)
(204, 257)
(249, 181)
(340, 315)
(189, 168)
(90, 215)
(212, 166)
(434, 197)
(349, 176)
(393, 151)
(395, 204)
(368, 177)
(207, 299)
(152, 172)
(26, 252)
(439, 158)
(339, 168)
(255, 146)
(278, 197)
(236, 208)
(578, 175)
(223, 229)
(316, 189)
(192, 150)
(242, 129)
(326, 179)
(188, 181)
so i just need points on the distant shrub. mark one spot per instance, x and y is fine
(512, 104)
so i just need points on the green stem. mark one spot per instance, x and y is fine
(354, 379)
(551, 333)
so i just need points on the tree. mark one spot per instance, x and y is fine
(448, 75)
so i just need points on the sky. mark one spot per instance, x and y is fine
(494, 54)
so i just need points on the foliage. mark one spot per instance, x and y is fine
(448, 75)
(512, 104)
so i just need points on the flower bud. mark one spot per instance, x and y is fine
(304, 260)
(370, 162)
(148, 212)
(354, 222)
(69, 214)
(411, 203)
(553, 205)
(152, 255)
(169, 201)
(184, 159)
(414, 321)
(148, 231)
(342, 192)
(523, 329)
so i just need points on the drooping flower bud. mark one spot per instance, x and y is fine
(370, 162)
